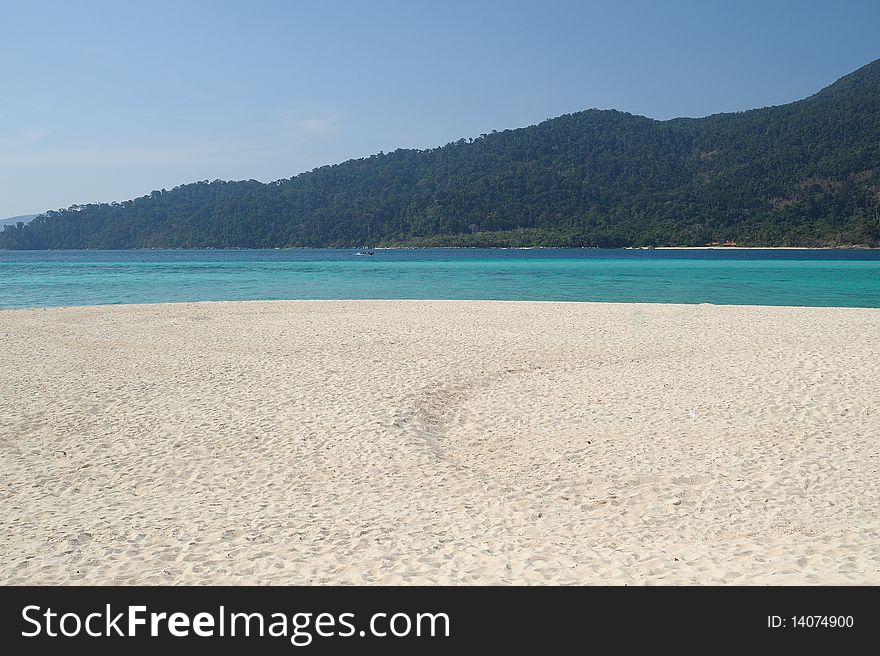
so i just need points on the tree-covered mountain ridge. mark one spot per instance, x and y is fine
(801, 174)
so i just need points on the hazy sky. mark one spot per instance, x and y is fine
(104, 101)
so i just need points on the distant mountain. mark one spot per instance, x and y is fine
(802, 174)
(12, 220)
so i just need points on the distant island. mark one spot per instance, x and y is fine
(802, 174)
(22, 218)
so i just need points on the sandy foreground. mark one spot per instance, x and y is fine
(439, 442)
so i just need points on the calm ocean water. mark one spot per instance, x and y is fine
(777, 277)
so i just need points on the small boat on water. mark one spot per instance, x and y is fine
(366, 253)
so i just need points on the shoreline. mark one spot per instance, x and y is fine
(415, 301)
(850, 247)
(431, 442)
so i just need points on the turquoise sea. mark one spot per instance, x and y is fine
(754, 277)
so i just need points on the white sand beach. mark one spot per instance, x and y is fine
(406, 442)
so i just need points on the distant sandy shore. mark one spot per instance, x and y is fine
(439, 442)
(757, 248)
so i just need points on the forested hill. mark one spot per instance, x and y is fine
(805, 174)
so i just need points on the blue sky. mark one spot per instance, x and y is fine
(104, 101)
